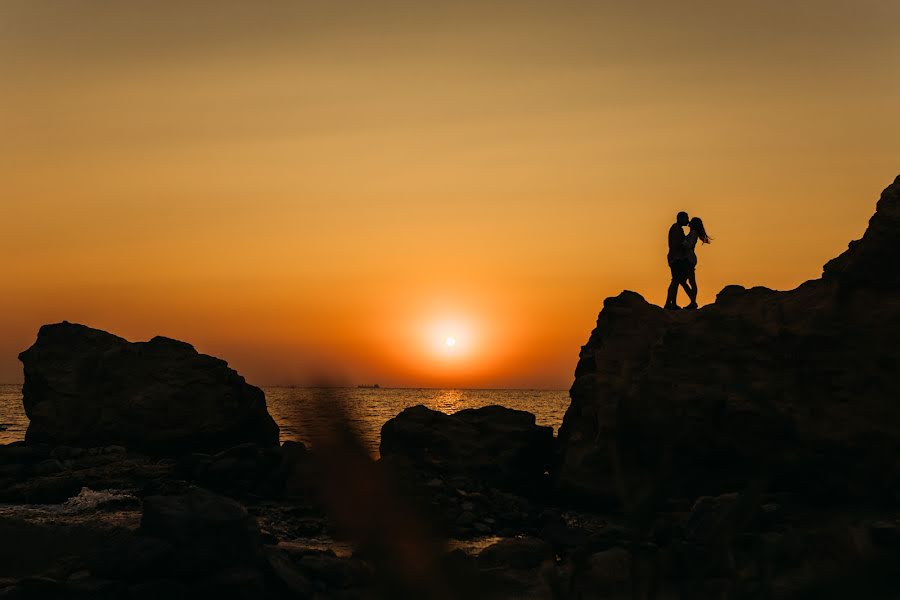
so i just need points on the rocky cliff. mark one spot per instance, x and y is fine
(85, 387)
(789, 391)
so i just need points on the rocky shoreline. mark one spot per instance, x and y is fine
(746, 450)
(174, 528)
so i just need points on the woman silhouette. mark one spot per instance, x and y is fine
(697, 232)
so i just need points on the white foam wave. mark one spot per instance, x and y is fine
(88, 499)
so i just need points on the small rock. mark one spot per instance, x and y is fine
(137, 557)
(66, 452)
(240, 582)
(886, 534)
(709, 515)
(40, 587)
(44, 490)
(79, 575)
(326, 567)
(268, 538)
(610, 568)
(19, 453)
(48, 467)
(94, 588)
(516, 553)
(207, 530)
(771, 516)
(287, 573)
(156, 589)
(465, 519)
(12, 471)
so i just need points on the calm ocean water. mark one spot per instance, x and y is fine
(368, 408)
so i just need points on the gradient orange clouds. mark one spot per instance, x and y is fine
(309, 188)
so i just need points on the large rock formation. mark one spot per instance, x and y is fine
(85, 387)
(498, 444)
(794, 391)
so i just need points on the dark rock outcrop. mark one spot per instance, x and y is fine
(40, 474)
(793, 391)
(493, 443)
(518, 553)
(85, 387)
(243, 469)
(873, 261)
(208, 532)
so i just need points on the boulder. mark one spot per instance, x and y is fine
(243, 469)
(287, 574)
(516, 553)
(85, 387)
(208, 532)
(133, 558)
(609, 570)
(296, 473)
(494, 443)
(793, 391)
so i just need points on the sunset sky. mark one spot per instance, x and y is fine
(335, 188)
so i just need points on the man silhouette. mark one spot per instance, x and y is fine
(679, 263)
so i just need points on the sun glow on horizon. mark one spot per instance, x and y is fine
(450, 337)
(447, 339)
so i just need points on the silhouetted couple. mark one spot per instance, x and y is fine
(683, 258)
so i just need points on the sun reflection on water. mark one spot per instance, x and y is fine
(448, 401)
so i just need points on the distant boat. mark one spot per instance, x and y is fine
(374, 386)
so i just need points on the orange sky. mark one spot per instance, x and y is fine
(334, 188)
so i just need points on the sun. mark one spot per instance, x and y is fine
(450, 339)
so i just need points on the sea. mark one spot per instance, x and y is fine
(298, 410)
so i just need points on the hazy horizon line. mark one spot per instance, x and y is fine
(400, 387)
(355, 387)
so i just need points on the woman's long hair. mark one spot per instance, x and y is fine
(696, 224)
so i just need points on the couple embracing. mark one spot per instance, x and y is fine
(683, 258)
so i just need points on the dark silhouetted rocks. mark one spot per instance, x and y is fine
(474, 473)
(496, 444)
(40, 474)
(793, 391)
(872, 262)
(516, 553)
(208, 532)
(85, 387)
(243, 469)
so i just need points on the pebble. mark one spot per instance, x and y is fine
(466, 518)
